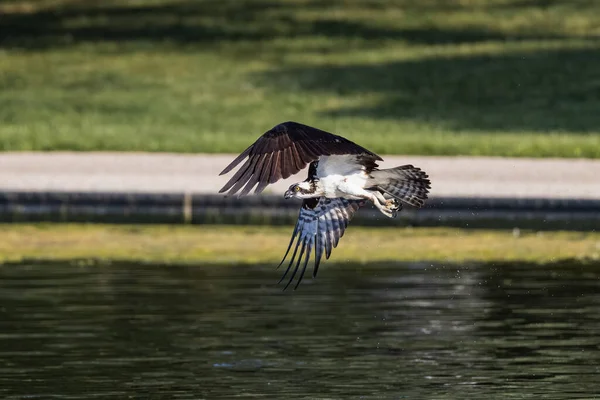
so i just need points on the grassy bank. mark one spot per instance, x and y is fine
(229, 244)
(479, 77)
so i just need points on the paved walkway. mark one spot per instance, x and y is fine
(177, 173)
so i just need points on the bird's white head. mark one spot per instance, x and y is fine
(302, 190)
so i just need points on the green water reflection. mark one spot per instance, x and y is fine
(372, 332)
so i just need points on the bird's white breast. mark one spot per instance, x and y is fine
(341, 176)
(337, 165)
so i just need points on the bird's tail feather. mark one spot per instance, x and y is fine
(406, 183)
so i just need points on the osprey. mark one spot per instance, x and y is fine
(342, 177)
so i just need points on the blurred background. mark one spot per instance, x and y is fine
(123, 273)
(481, 77)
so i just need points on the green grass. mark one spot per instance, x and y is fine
(478, 77)
(219, 244)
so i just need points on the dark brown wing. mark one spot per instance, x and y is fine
(284, 151)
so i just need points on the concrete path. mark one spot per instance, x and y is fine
(198, 174)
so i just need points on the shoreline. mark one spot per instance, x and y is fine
(227, 245)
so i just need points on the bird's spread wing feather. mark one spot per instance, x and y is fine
(320, 226)
(283, 151)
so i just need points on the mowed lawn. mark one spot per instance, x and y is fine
(446, 77)
(222, 244)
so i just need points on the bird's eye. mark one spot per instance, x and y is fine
(297, 188)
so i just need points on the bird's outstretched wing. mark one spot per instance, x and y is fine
(284, 151)
(320, 225)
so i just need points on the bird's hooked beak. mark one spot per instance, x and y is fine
(288, 194)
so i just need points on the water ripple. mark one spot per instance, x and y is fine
(376, 332)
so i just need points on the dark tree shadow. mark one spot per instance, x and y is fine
(206, 22)
(542, 90)
(552, 90)
(520, 4)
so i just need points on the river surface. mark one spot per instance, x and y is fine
(385, 331)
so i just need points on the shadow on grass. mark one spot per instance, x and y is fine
(553, 90)
(204, 21)
(557, 90)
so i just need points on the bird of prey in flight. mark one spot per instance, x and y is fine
(342, 177)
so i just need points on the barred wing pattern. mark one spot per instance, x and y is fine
(284, 151)
(321, 224)
(407, 183)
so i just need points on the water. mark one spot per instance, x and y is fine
(376, 332)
